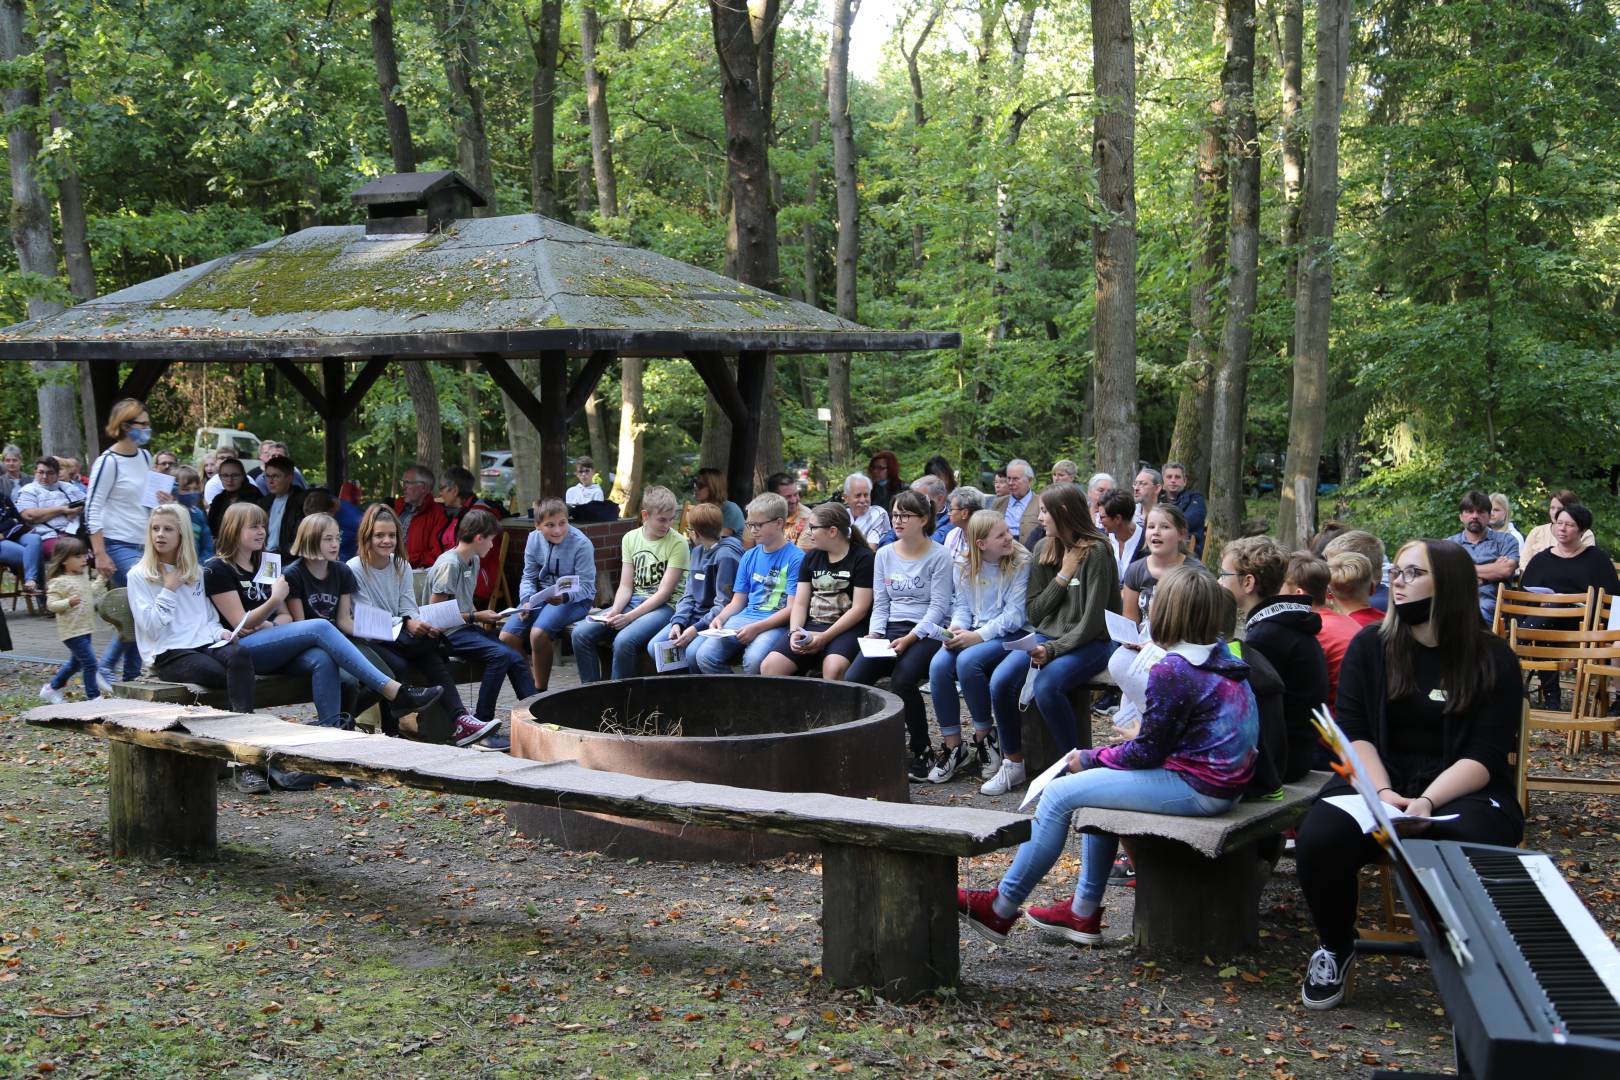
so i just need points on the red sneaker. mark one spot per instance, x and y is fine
(978, 907)
(1060, 921)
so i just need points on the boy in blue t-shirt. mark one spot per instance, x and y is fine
(766, 580)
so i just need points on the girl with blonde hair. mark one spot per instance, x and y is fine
(987, 610)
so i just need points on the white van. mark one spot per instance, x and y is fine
(244, 443)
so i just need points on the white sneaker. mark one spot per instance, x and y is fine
(52, 694)
(104, 684)
(1009, 776)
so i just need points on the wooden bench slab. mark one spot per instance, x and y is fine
(1199, 879)
(888, 872)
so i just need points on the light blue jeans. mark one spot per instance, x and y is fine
(318, 649)
(1156, 791)
(23, 556)
(628, 644)
(715, 655)
(120, 653)
(971, 667)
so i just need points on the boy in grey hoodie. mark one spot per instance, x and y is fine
(710, 578)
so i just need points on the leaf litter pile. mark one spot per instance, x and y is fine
(346, 932)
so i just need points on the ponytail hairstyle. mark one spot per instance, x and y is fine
(1072, 526)
(832, 514)
(916, 504)
(376, 514)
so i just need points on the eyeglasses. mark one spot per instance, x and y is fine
(902, 516)
(760, 524)
(1406, 574)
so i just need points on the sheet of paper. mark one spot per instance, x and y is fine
(566, 583)
(1037, 785)
(722, 632)
(269, 569)
(877, 648)
(600, 616)
(1027, 643)
(1122, 630)
(929, 630)
(1614, 616)
(1027, 694)
(373, 623)
(669, 657)
(799, 636)
(156, 483)
(445, 615)
(232, 636)
(1356, 807)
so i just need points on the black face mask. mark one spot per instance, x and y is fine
(1415, 612)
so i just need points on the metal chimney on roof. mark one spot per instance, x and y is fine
(406, 203)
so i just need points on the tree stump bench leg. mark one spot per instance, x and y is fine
(1190, 906)
(888, 920)
(161, 803)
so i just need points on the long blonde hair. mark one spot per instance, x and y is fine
(185, 556)
(978, 528)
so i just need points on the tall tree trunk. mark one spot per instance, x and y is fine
(470, 437)
(457, 26)
(919, 119)
(632, 435)
(429, 426)
(524, 440)
(1006, 216)
(584, 182)
(1314, 304)
(596, 430)
(399, 122)
(1293, 148)
(1237, 335)
(1114, 240)
(59, 419)
(808, 235)
(1190, 443)
(544, 35)
(745, 42)
(849, 221)
(81, 269)
(607, 188)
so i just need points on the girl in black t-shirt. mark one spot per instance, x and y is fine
(833, 600)
(1432, 702)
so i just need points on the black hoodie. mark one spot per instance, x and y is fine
(1284, 628)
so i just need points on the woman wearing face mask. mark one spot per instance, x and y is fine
(188, 493)
(1431, 701)
(114, 516)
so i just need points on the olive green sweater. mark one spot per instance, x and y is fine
(1072, 614)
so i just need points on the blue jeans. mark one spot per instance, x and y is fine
(552, 618)
(23, 556)
(628, 644)
(318, 649)
(1156, 791)
(715, 655)
(971, 667)
(1074, 668)
(501, 662)
(84, 660)
(124, 555)
(690, 655)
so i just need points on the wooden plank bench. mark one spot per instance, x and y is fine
(1199, 879)
(889, 872)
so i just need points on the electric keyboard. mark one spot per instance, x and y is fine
(1530, 980)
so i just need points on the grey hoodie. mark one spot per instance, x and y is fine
(709, 582)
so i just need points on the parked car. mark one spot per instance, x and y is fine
(244, 443)
(495, 474)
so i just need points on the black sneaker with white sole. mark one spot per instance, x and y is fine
(988, 751)
(1325, 978)
(920, 766)
(416, 698)
(953, 760)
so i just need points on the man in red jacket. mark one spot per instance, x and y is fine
(421, 516)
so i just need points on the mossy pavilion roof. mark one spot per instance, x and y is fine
(511, 286)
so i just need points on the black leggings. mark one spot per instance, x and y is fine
(228, 668)
(905, 673)
(1331, 851)
(408, 656)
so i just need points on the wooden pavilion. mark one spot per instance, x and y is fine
(423, 280)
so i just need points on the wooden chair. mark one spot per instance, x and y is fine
(15, 591)
(1596, 655)
(1518, 604)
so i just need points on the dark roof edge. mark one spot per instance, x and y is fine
(429, 346)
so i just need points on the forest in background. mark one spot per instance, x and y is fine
(1473, 240)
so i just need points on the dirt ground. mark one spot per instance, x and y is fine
(348, 931)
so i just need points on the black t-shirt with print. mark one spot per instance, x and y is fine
(833, 584)
(320, 596)
(221, 577)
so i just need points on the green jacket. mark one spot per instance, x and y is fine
(1072, 614)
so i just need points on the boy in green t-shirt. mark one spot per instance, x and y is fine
(651, 580)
